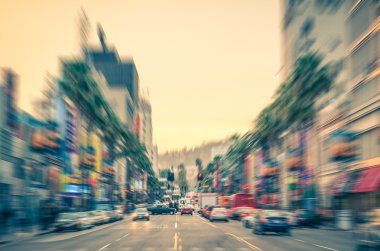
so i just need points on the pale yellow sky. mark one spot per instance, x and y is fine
(210, 65)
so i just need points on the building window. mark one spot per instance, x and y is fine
(307, 27)
(365, 92)
(362, 19)
(369, 145)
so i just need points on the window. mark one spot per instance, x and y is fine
(360, 20)
(368, 144)
(365, 92)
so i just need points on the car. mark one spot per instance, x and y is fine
(186, 210)
(73, 221)
(209, 209)
(161, 209)
(306, 217)
(102, 216)
(248, 221)
(218, 214)
(271, 221)
(120, 210)
(113, 215)
(97, 217)
(240, 212)
(367, 235)
(141, 214)
(292, 217)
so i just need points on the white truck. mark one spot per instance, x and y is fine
(207, 199)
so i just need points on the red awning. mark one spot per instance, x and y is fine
(368, 181)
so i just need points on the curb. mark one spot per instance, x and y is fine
(4, 242)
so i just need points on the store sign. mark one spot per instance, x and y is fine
(344, 146)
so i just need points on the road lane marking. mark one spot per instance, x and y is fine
(253, 247)
(325, 247)
(125, 235)
(104, 246)
(175, 225)
(175, 241)
(299, 240)
(208, 223)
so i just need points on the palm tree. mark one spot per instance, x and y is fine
(198, 163)
(182, 181)
(79, 85)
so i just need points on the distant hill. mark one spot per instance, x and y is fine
(187, 156)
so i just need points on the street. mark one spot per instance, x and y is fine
(176, 232)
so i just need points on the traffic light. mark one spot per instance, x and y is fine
(200, 176)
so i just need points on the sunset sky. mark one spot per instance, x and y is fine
(210, 65)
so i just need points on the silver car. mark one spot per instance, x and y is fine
(219, 214)
(367, 234)
(248, 221)
(73, 221)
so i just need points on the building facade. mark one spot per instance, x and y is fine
(347, 35)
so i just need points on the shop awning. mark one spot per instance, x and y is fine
(343, 183)
(368, 181)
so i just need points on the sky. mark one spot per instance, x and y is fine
(210, 65)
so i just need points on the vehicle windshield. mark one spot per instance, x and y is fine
(219, 209)
(141, 210)
(274, 214)
(69, 216)
(104, 207)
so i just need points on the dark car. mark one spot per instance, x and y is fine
(141, 214)
(306, 217)
(161, 209)
(271, 221)
(186, 210)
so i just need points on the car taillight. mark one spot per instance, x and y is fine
(264, 220)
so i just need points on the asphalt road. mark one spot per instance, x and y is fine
(176, 232)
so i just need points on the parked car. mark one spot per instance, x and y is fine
(73, 221)
(218, 213)
(306, 217)
(102, 216)
(186, 210)
(161, 209)
(97, 217)
(367, 234)
(240, 212)
(208, 210)
(113, 215)
(141, 214)
(271, 221)
(120, 209)
(292, 219)
(249, 221)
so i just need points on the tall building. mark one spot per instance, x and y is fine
(146, 134)
(347, 34)
(121, 77)
(310, 26)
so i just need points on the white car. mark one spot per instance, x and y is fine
(248, 221)
(292, 218)
(219, 213)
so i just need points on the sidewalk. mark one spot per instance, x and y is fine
(22, 235)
